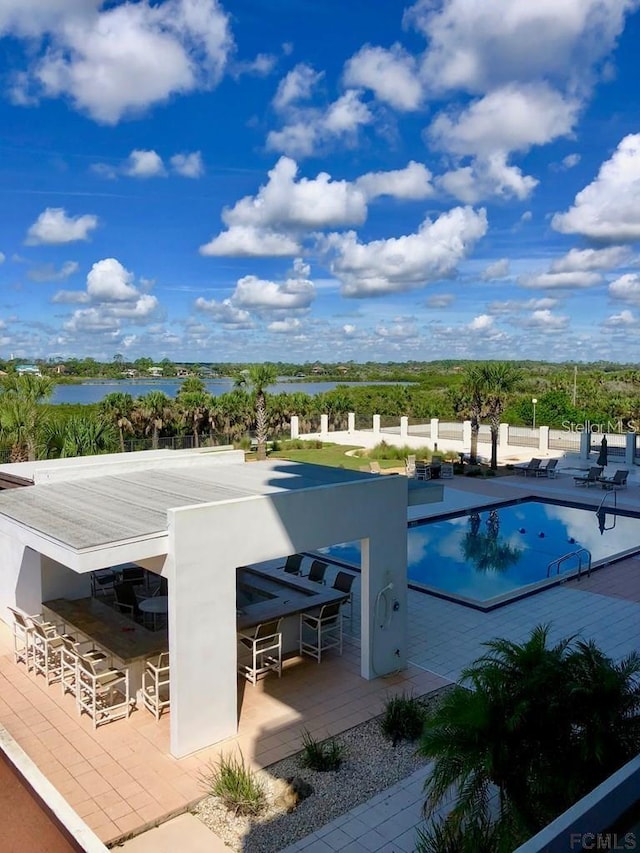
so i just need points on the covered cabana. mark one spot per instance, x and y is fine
(194, 518)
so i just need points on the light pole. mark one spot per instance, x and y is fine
(534, 401)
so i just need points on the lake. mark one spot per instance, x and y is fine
(95, 390)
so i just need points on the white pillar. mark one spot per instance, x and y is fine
(543, 439)
(295, 426)
(404, 427)
(503, 439)
(376, 424)
(630, 449)
(351, 422)
(434, 429)
(466, 436)
(324, 426)
(585, 444)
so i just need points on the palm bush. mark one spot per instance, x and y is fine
(236, 785)
(403, 718)
(541, 725)
(321, 755)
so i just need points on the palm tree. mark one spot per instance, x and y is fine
(469, 402)
(541, 723)
(258, 377)
(21, 414)
(154, 411)
(497, 381)
(79, 435)
(193, 407)
(118, 409)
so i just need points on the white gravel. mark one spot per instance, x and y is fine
(371, 764)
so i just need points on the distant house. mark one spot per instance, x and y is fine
(59, 369)
(28, 369)
(156, 372)
(182, 373)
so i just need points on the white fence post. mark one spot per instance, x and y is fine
(543, 439)
(630, 449)
(404, 427)
(324, 426)
(351, 422)
(466, 436)
(295, 426)
(434, 428)
(585, 444)
(503, 437)
(376, 424)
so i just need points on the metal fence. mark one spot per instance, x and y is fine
(564, 440)
(451, 431)
(616, 442)
(420, 428)
(524, 437)
(364, 422)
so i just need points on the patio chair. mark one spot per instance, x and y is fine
(423, 470)
(548, 470)
(446, 470)
(618, 481)
(410, 465)
(264, 642)
(22, 632)
(70, 652)
(155, 684)
(126, 600)
(46, 647)
(102, 693)
(102, 582)
(317, 572)
(531, 467)
(592, 477)
(343, 583)
(374, 467)
(133, 575)
(293, 564)
(321, 630)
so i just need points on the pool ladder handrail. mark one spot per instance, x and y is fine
(579, 554)
(608, 495)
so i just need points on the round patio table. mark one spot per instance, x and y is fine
(159, 604)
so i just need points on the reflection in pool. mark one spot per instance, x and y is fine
(494, 552)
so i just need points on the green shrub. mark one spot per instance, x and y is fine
(473, 471)
(389, 451)
(236, 785)
(244, 443)
(321, 755)
(403, 718)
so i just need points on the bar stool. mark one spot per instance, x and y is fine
(265, 644)
(155, 684)
(323, 627)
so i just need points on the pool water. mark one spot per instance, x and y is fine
(494, 552)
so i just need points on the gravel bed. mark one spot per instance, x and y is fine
(371, 764)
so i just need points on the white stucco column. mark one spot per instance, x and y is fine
(434, 428)
(295, 426)
(466, 436)
(324, 426)
(630, 449)
(543, 439)
(351, 422)
(404, 427)
(585, 444)
(503, 439)
(376, 424)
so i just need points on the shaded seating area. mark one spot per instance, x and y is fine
(264, 645)
(591, 478)
(321, 630)
(530, 467)
(618, 481)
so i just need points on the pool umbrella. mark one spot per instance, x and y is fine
(602, 456)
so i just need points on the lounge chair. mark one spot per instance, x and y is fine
(592, 477)
(422, 471)
(531, 467)
(618, 481)
(410, 465)
(374, 468)
(548, 470)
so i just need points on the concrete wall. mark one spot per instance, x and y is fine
(59, 581)
(208, 543)
(20, 578)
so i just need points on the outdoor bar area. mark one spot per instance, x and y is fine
(158, 586)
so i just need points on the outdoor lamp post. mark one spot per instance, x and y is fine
(534, 401)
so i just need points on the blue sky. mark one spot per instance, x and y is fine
(288, 180)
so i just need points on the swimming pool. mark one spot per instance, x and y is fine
(489, 556)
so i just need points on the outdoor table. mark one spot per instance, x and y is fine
(158, 605)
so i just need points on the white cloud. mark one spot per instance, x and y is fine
(285, 327)
(405, 263)
(484, 178)
(481, 323)
(247, 241)
(70, 297)
(571, 160)
(261, 66)
(441, 300)
(120, 60)
(545, 321)
(576, 279)
(2, 257)
(512, 118)
(591, 259)
(188, 165)
(109, 281)
(626, 289)
(498, 269)
(624, 318)
(390, 74)
(144, 164)
(54, 227)
(296, 292)
(398, 331)
(225, 313)
(480, 46)
(607, 209)
(512, 306)
(297, 85)
(349, 329)
(48, 272)
(412, 182)
(310, 129)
